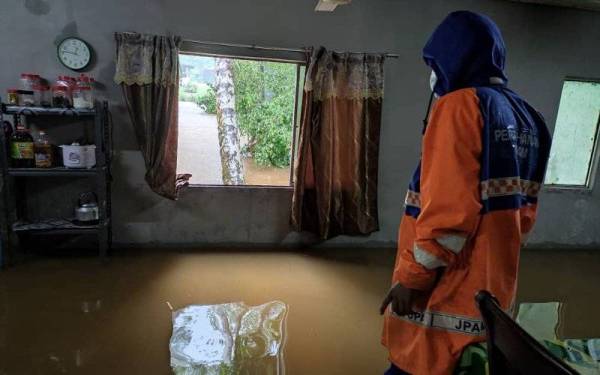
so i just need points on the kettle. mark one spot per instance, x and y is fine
(87, 211)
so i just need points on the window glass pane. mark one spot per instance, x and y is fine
(575, 134)
(264, 94)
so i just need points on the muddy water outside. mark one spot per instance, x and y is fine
(78, 316)
(198, 152)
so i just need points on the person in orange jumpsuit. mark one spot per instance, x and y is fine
(470, 205)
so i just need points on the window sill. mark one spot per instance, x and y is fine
(241, 187)
(583, 190)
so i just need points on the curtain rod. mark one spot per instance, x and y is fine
(264, 48)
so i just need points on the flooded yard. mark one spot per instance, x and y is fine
(198, 152)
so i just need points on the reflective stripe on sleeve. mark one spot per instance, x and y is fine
(453, 323)
(412, 199)
(500, 187)
(426, 259)
(452, 242)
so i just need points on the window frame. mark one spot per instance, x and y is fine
(594, 163)
(253, 54)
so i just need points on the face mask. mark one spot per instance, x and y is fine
(432, 80)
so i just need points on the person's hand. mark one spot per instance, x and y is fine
(400, 298)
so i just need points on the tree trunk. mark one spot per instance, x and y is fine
(229, 135)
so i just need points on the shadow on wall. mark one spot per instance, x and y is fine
(38, 7)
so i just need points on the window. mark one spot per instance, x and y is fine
(254, 147)
(575, 139)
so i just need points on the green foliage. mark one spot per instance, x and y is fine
(265, 94)
(186, 96)
(207, 100)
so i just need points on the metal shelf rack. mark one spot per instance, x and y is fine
(12, 226)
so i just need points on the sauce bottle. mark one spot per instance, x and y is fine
(21, 147)
(43, 151)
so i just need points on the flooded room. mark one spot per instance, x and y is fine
(300, 187)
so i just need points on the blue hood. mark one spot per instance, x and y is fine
(465, 50)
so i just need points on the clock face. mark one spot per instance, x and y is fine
(74, 53)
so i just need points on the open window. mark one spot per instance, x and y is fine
(256, 146)
(573, 156)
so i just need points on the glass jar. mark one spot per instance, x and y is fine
(37, 95)
(25, 82)
(12, 96)
(26, 98)
(28, 80)
(36, 80)
(82, 97)
(61, 97)
(62, 81)
(63, 87)
(72, 82)
(45, 96)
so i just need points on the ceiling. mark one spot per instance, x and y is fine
(581, 4)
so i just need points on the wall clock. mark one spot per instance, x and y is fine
(74, 53)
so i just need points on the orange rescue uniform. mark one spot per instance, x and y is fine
(452, 248)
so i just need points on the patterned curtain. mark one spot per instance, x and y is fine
(336, 175)
(147, 68)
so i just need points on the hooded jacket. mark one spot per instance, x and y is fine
(472, 200)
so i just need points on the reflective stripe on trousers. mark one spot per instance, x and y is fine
(447, 322)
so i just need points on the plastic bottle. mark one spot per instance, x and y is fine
(82, 97)
(43, 151)
(21, 147)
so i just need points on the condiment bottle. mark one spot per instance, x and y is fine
(12, 96)
(21, 147)
(43, 151)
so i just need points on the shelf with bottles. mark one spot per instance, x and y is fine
(67, 95)
(75, 157)
(46, 111)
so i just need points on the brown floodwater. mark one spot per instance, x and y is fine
(269, 176)
(66, 315)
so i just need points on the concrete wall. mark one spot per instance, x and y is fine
(545, 45)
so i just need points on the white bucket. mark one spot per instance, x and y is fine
(76, 156)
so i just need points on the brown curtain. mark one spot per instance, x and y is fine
(147, 68)
(336, 174)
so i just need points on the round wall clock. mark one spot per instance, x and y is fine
(74, 53)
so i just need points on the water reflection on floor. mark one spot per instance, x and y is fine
(229, 338)
(64, 315)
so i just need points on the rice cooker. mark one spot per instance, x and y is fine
(77, 156)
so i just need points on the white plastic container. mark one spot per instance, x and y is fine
(76, 156)
(82, 97)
